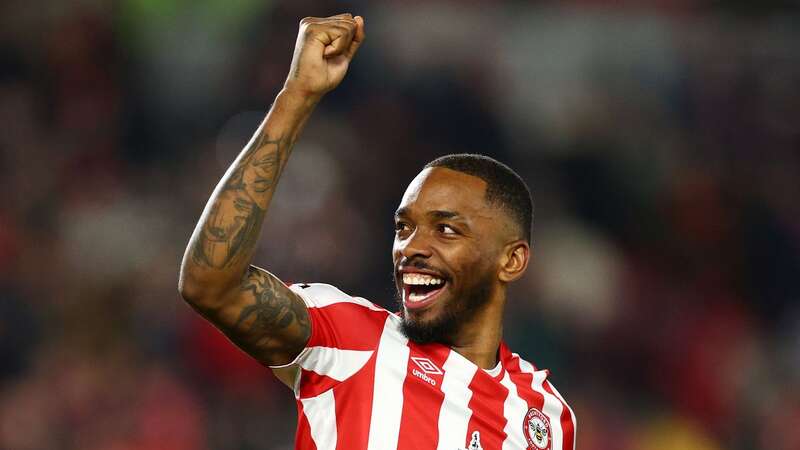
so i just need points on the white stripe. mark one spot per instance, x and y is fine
(571, 413)
(364, 302)
(321, 414)
(319, 295)
(391, 366)
(454, 413)
(514, 410)
(334, 362)
(552, 405)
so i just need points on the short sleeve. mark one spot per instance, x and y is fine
(345, 332)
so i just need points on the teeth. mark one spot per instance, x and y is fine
(421, 279)
(415, 297)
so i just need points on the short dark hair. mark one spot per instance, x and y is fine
(504, 187)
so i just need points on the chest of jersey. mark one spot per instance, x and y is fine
(363, 385)
(430, 397)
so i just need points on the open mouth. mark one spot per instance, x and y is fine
(420, 290)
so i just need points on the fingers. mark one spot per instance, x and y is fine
(345, 16)
(340, 35)
(358, 38)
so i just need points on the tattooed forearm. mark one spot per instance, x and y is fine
(231, 228)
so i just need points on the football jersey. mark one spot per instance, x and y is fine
(362, 385)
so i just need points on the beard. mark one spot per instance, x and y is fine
(460, 308)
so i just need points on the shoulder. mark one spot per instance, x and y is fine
(320, 295)
(345, 333)
(539, 378)
(341, 320)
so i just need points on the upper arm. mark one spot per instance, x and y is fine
(263, 317)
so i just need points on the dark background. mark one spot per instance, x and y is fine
(660, 139)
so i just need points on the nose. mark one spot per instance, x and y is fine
(414, 245)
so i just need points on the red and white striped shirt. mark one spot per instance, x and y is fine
(364, 385)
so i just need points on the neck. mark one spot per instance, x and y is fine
(478, 339)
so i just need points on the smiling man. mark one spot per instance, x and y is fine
(437, 375)
(461, 236)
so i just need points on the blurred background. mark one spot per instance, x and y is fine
(661, 140)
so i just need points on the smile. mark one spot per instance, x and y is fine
(420, 290)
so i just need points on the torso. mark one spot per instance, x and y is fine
(363, 385)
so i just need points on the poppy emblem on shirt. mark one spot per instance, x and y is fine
(536, 427)
(475, 442)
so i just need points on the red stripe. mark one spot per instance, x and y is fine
(346, 326)
(488, 398)
(354, 407)
(567, 426)
(303, 437)
(312, 384)
(524, 383)
(422, 397)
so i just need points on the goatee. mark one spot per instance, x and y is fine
(444, 328)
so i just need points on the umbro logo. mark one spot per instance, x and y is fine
(426, 365)
(427, 368)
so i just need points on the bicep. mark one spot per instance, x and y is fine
(264, 318)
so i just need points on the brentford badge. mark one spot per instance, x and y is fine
(536, 427)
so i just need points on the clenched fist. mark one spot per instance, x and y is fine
(324, 49)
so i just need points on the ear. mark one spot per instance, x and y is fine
(514, 262)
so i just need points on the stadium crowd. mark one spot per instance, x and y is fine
(660, 140)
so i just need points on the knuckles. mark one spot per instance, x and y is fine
(329, 22)
(331, 29)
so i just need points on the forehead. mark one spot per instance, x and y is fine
(439, 188)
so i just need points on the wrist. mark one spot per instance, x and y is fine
(299, 96)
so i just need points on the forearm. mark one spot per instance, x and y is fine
(225, 238)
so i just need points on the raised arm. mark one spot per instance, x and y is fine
(250, 305)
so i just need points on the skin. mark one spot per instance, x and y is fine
(444, 224)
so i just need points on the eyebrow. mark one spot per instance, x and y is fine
(436, 214)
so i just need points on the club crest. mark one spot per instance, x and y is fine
(536, 428)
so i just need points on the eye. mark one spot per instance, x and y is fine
(446, 229)
(401, 227)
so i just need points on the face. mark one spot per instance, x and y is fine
(447, 248)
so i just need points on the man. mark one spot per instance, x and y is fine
(435, 376)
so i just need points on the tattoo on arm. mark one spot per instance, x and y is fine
(230, 231)
(275, 307)
(275, 311)
(250, 305)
